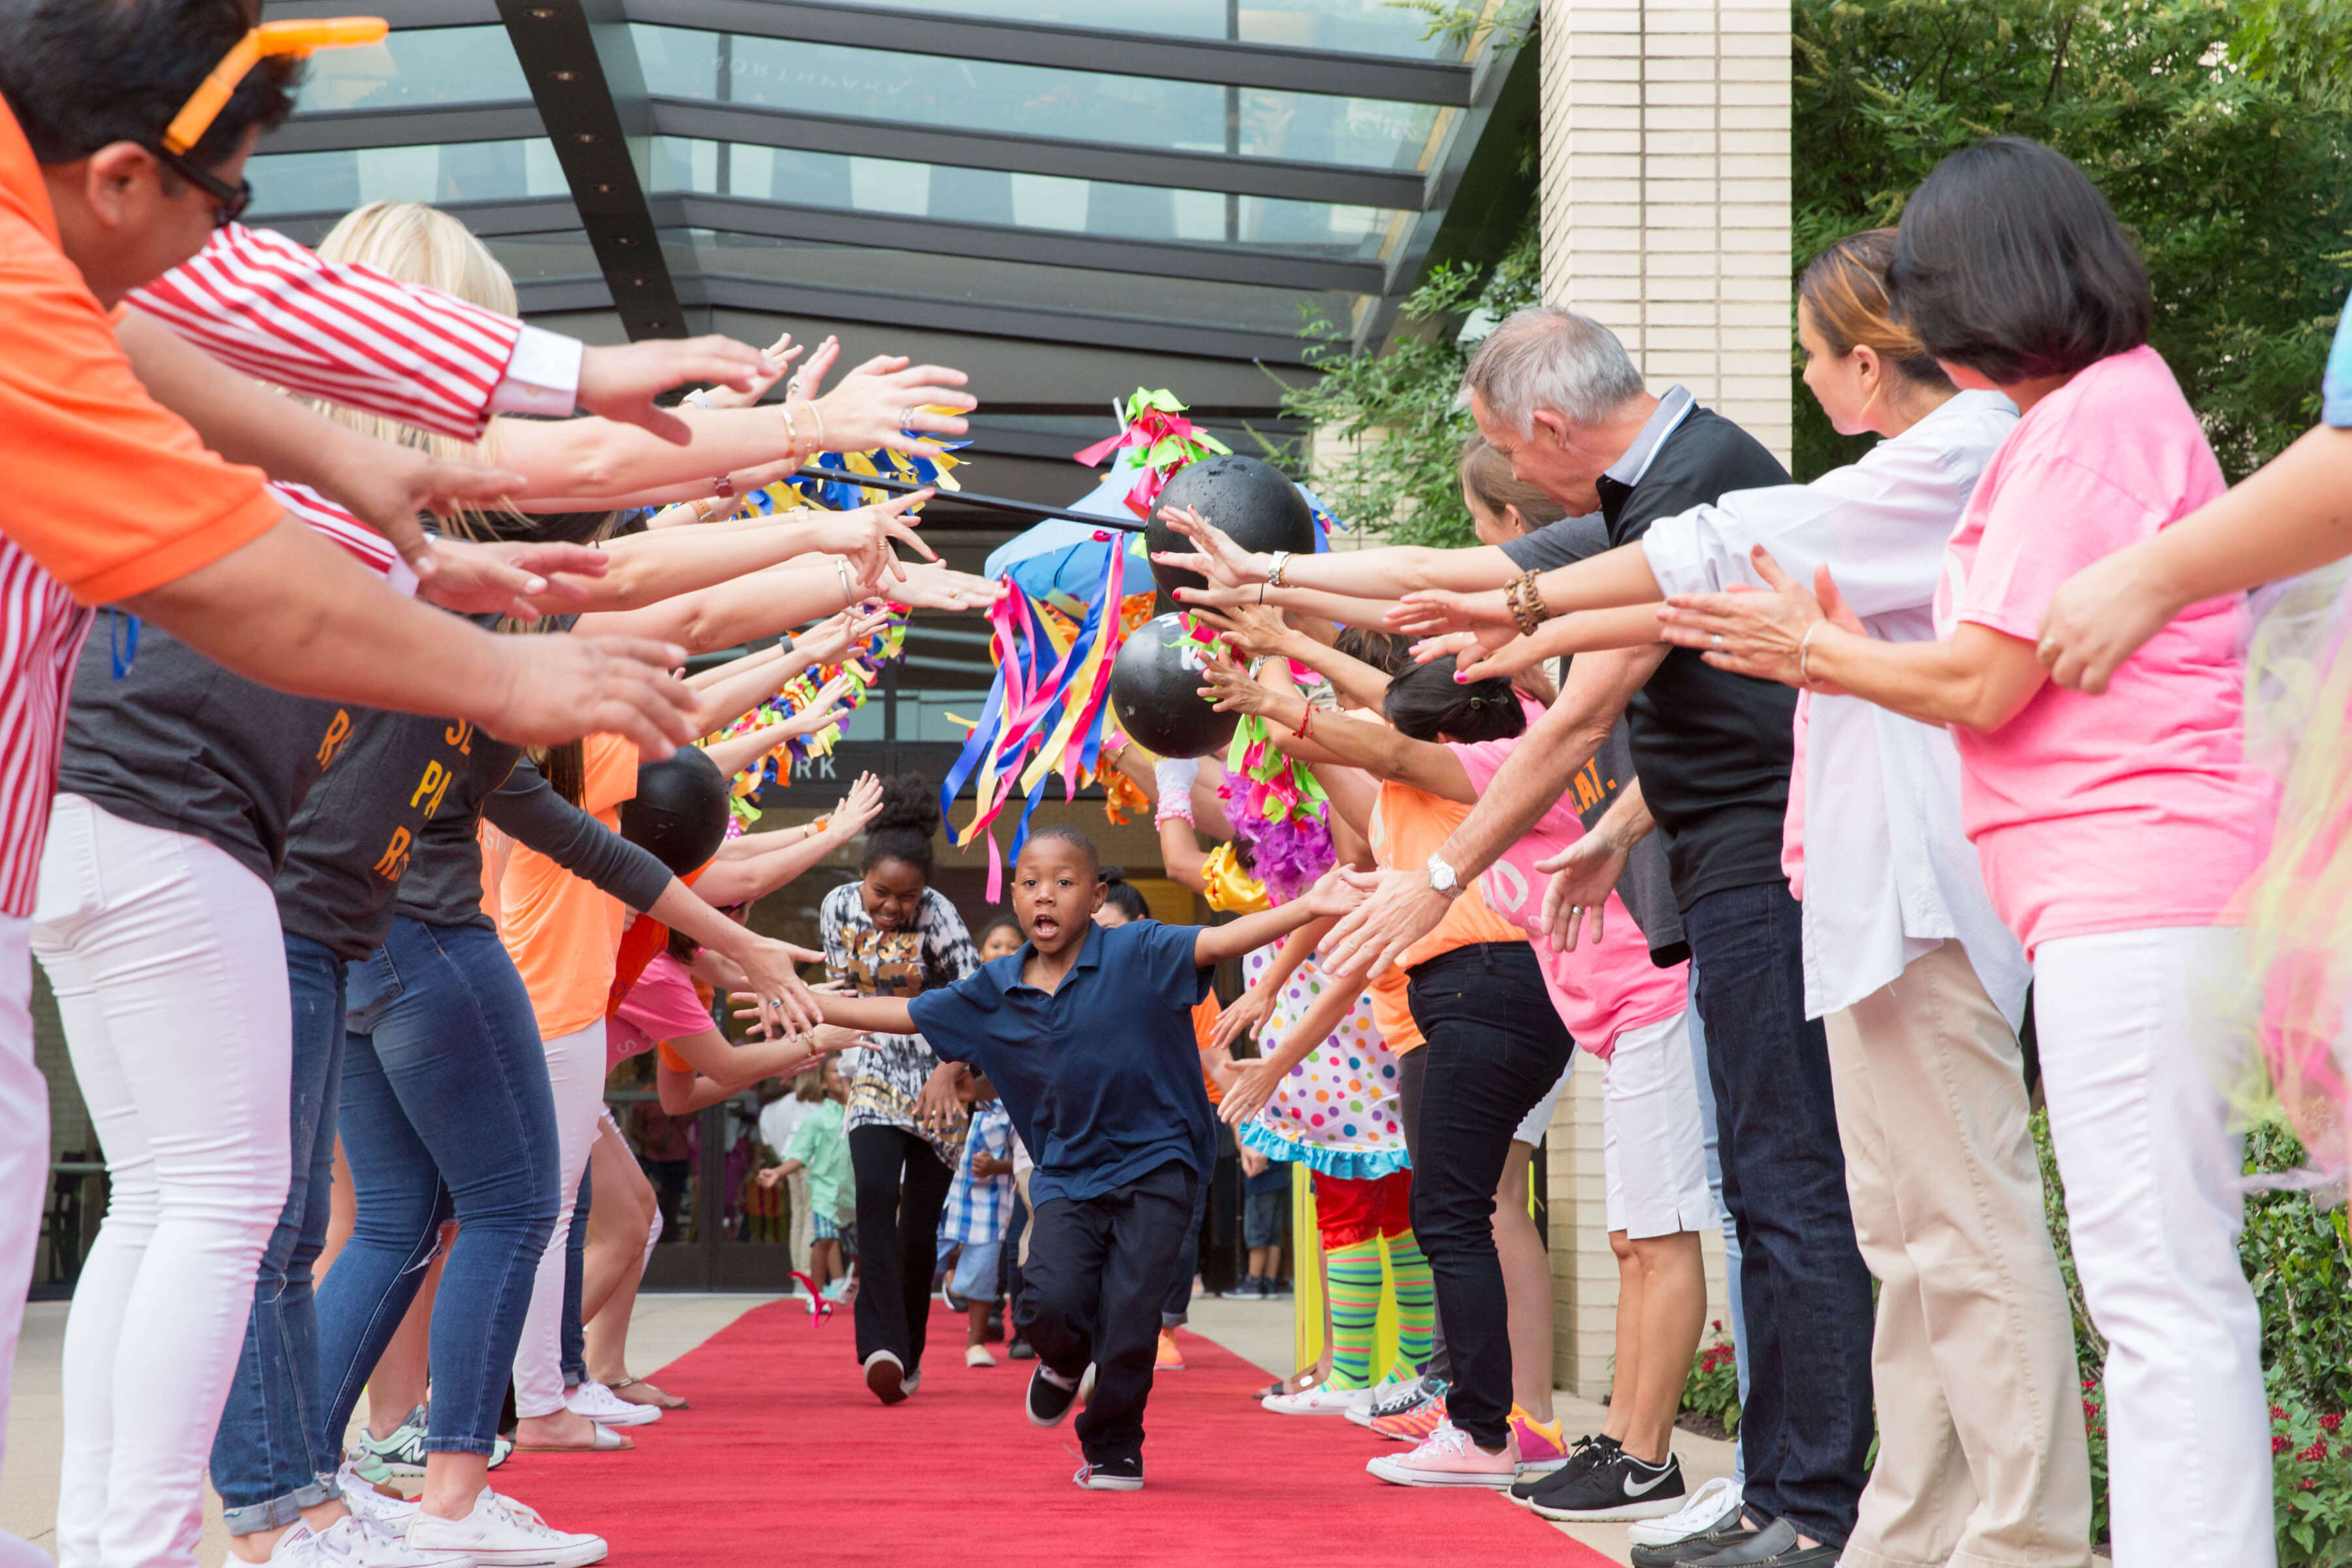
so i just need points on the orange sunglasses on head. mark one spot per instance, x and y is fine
(196, 116)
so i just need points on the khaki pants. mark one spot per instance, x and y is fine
(796, 1194)
(1981, 1458)
(1021, 1179)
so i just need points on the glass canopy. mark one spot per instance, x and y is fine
(1225, 169)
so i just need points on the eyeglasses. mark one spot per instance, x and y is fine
(229, 202)
(212, 95)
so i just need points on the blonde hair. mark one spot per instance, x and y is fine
(417, 244)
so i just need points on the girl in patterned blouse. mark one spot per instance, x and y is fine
(890, 933)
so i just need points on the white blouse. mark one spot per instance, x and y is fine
(1888, 872)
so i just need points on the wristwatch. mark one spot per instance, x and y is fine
(1441, 879)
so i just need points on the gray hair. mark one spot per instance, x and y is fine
(1547, 356)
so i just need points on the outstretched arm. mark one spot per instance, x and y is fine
(1255, 1084)
(1214, 944)
(1381, 573)
(868, 1015)
(1375, 748)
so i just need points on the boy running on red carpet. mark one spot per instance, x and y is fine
(1086, 1034)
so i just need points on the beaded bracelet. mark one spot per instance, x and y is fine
(1526, 603)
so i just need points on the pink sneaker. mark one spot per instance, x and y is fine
(1413, 1425)
(1540, 1446)
(1451, 1459)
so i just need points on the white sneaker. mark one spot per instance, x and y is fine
(977, 1355)
(500, 1533)
(369, 1503)
(356, 1541)
(1711, 1507)
(911, 1382)
(606, 1408)
(298, 1546)
(1320, 1400)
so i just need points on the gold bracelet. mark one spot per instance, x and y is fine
(1525, 604)
(792, 431)
(848, 595)
(818, 415)
(1805, 652)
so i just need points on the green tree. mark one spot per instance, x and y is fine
(2237, 184)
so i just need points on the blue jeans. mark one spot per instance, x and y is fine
(447, 1112)
(1495, 1046)
(1806, 1427)
(271, 1456)
(1707, 1127)
(575, 1254)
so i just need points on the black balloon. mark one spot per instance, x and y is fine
(680, 814)
(1251, 500)
(1155, 689)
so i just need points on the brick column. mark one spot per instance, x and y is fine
(1665, 215)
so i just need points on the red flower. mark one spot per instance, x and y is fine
(2089, 1383)
(2279, 1444)
(2308, 1485)
(2316, 1452)
(2278, 1413)
(2330, 1423)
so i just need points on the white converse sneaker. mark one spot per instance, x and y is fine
(977, 1355)
(355, 1541)
(1320, 1400)
(500, 1533)
(369, 1503)
(1711, 1507)
(1361, 1403)
(606, 1408)
(299, 1548)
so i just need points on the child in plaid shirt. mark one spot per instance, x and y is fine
(979, 1212)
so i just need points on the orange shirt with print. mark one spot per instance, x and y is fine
(562, 932)
(1408, 826)
(110, 491)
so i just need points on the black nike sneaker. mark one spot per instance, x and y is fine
(1620, 1486)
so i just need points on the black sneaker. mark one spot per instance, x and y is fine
(1585, 1453)
(1275, 1288)
(1111, 1476)
(1620, 1486)
(1020, 1349)
(1738, 1530)
(1050, 1398)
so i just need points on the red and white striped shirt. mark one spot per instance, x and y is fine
(346, 333)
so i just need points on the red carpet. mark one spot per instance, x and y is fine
(786, 1459)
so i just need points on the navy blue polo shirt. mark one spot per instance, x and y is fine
(1103, 1076)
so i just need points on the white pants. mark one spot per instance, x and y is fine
(575, 1070)
(23, 1173)
(169, 967)
(1653, 1149)
(2140, 1118)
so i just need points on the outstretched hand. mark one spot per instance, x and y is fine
(1224, 564)
(1759, 631)
(1250, 630)
(1400, 909)
(1230, 689)
(511, 577)
(1427, 612)
(1253, 1086)
(1247, 1013)
(620, 381)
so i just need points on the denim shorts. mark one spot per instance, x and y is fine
(1262, 1215)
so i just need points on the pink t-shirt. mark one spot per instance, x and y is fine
(662, 1005)
(1602, 988)
(2137, 809)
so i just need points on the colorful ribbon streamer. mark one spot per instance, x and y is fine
(1154, 423)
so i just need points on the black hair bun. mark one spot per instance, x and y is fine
(908, 801)
(1114, 875)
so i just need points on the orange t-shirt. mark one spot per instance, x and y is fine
(561, 931)
(1408, 826)
(1205, 1014)
(111, 492)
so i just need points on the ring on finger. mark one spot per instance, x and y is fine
(1716, 640)
(907, 416)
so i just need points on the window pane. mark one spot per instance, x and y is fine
(417, 65)
(1356, 26)
(1023, 201)
(900, 274)
(458, 171)
(1037, 100)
